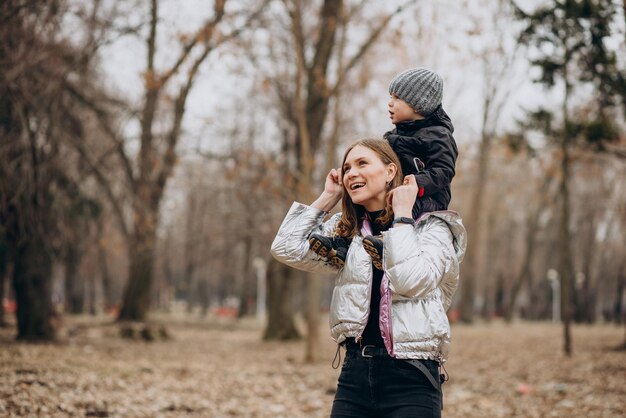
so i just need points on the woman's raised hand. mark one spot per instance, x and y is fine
(403, 197)
(332, 191)
(332, 186)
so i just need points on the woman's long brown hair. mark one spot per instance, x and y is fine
(352, 214)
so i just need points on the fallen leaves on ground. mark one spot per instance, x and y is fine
(213, 368)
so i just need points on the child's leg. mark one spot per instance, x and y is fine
(333, 250)
(417, 208)
(373, 245)
(340, 251)
(320, 245)
(425, 204)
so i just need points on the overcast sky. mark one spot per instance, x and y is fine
(448, 35)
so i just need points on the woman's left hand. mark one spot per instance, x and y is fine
(403, 197)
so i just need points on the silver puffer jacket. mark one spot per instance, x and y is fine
(421, 275)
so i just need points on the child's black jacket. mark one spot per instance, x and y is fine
(432, 142)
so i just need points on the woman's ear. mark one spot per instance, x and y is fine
(392, 169)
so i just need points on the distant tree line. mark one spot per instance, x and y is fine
(136, 217)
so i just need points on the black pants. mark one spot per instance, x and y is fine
(380, 387)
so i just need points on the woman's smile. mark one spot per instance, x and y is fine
(357, 185)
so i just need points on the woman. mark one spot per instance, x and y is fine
(392, 322)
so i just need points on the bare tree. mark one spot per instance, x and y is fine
(146, 177)
(306, 98)
(532, 230)
(497, 61)
(4, 262)
(38, 113)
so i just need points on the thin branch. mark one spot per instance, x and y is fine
(152, 38)
(152, 90)
(368, 43)
(179, 108)
(246, 25)
(334, 136)
(104, 183)
(331, 10)
(104, 123)
(169, 158)
(206, 33)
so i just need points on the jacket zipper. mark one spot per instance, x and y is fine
(389, 321)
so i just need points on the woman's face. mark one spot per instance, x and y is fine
(365, 178)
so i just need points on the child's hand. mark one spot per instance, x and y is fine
(403, 197)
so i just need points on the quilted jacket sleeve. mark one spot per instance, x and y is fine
(291, 246)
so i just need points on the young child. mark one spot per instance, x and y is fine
(425, 147)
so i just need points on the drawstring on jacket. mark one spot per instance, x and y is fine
(337, 355)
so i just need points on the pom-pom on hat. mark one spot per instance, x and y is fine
(421, 88)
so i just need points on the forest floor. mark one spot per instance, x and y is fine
(221, 368)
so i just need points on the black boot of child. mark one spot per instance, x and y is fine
(374, 247)
(334, 250)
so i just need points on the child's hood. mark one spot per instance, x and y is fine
(443, 119)
(455, 223)
(438, 119)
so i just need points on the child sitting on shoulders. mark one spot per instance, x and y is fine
(423, 141)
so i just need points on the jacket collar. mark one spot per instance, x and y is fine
(455, 223)
(438, 118)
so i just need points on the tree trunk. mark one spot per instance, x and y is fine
(91, 296)
(141, 257)
(32, 282)
(586, 310)
(591, 303)
(531, 233)
(246, 285)
(280, 290)
(564, 232)
(171, 285)
(3, 321)
(476, 233)
(624, 14)
(107, 291)
(623, 347)
(74, 287)
(617, 314)
(313, 318)
(4, 261)
(620, 296)
(192, 231)
(203, 296)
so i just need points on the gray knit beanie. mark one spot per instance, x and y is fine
(421, 88)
